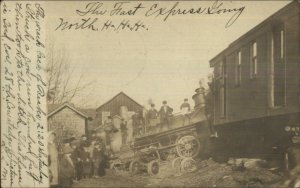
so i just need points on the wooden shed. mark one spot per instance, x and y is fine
(121, 105)
(66, 121)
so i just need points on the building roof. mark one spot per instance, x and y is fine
(257, 27)
(121, 93)
(90, 112)
(55, 108)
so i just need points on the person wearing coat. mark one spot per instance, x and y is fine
(86, 160)
(185, 110)
(67, 168)
(124, 131)
(152, 118)
(83, 140)
(165, 113)
(52, 160)
(135, 125)
(104, 161)
(97, 159)
(77, 161)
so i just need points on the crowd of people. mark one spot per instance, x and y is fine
(154, 120)
(76, 159)
(87, 158)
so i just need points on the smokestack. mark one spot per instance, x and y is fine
(198, 98)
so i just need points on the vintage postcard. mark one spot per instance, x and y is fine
(150, 93)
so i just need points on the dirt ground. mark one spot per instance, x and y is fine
(208, 174)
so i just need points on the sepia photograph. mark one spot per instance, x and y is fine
(150, 93)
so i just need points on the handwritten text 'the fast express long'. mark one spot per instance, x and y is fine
(132, 13)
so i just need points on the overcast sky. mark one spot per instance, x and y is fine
(163, 63)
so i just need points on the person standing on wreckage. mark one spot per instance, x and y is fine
(165, 115)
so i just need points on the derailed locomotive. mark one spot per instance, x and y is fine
(255, 99)
(180, 144)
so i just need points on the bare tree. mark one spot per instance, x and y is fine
(61, 84)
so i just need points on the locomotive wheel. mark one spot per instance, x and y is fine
(164, 155)
(188, 165)
(176, 164)
(134, 167)
(188, 146)
(153, 168)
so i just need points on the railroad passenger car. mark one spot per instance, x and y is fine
(256, 87)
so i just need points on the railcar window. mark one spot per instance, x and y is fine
(282, 44)
(222, 102)
(238, 71)
(278, 68)
(253, 59)
(219, 71)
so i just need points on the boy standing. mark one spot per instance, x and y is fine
(185, 110)
(67, 168)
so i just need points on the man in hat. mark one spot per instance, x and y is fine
(67, 168)
(97, 159)
(165, 114)
(141, 121)
(123, 129)
(185, 110)
(109, 129)
(152, 118)
(135, 125)
(86, 160)
(75, 156)
(83, 140)
(66, 143)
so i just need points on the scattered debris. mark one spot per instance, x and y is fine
(208, 174)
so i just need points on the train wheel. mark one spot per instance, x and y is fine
(188, 146)
(134, 167)
(164, 155)
(188, 165)
(176, 164)
(153, 168)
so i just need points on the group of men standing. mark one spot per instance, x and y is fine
(75, 159)
(154, 118)
(147, 122)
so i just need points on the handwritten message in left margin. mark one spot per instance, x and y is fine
(23, 95)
